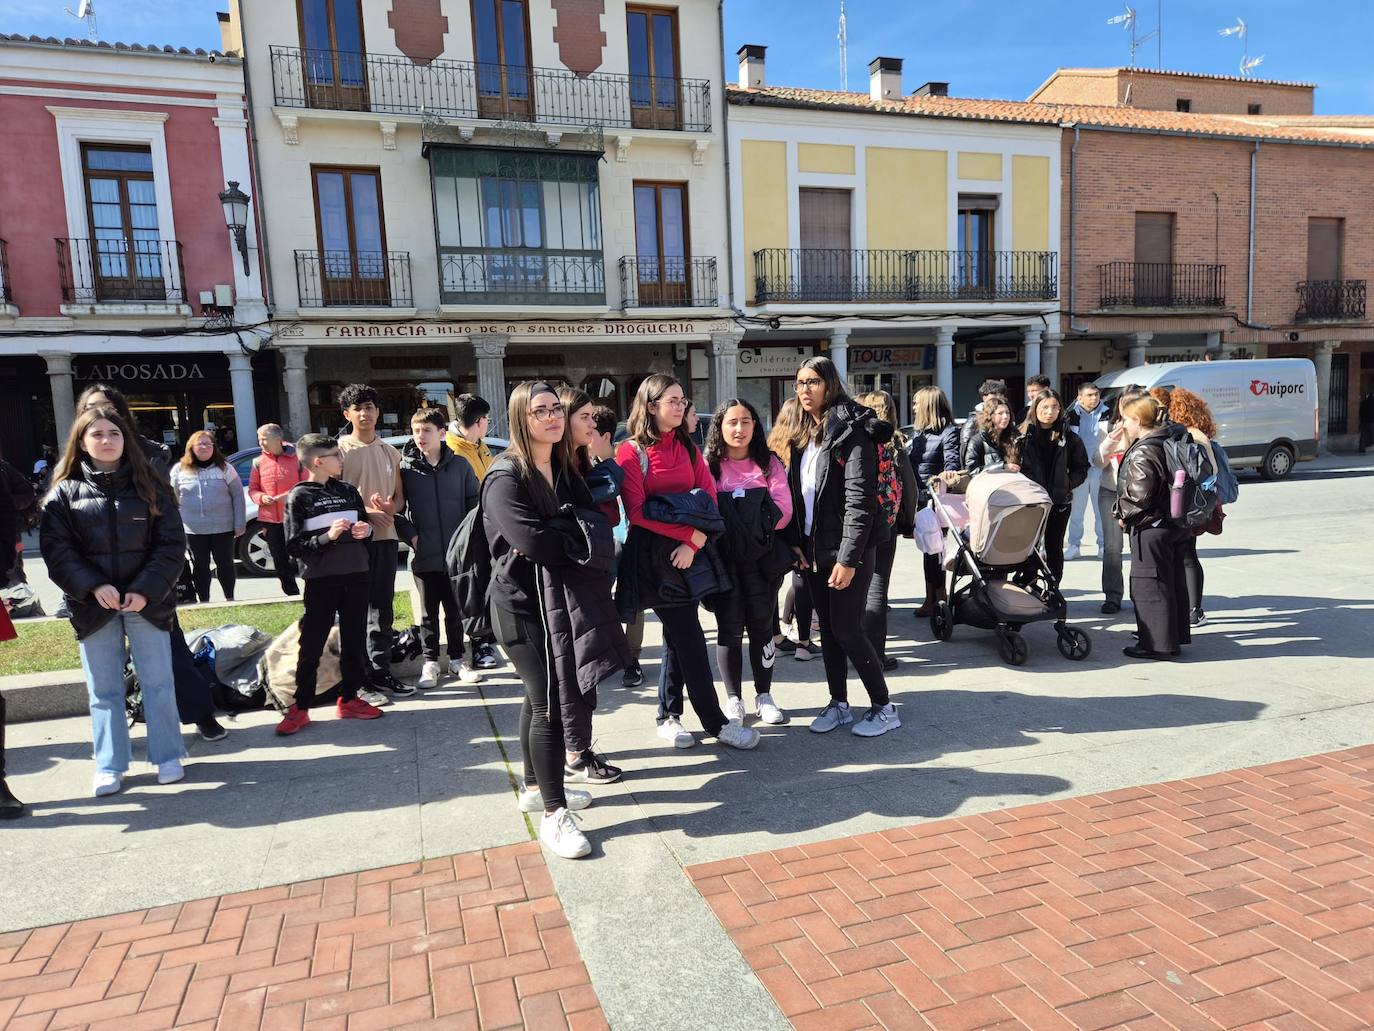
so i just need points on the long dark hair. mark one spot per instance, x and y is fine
(188, 460)
(114, 398)
(574, 400)
(520, 451)
(1001, 440)
(814, 429)
(640, 426)
(150, 487)
(716, 449)
(1032, 421)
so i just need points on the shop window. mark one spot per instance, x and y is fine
(603, 390)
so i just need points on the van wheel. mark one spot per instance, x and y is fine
(1278, 463)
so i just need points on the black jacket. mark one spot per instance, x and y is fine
(438, 499)
(1142, 483)
(96, 530)
(984, 453)
(905, 525)
(934, 452)
(755, 555)
(649, 580)
(967, 432)
(1059, 466)
(846, 508)
(159, 457)
(9, 533)
(311, 509)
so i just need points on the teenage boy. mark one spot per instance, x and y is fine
(465, 439)
(374, 467)
(602, 449)
(274, 474)
(1087, 418)
(327, 531)
(1035, 385)
(440, 490)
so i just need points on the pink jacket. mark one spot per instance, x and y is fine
(744, 474)
(273, 475)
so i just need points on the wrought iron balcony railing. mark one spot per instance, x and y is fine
(336, 80)
(5, 296)
(1331, 300)
(1147, 284)
(379, 279)
(121, 270)
(833, 274)
(669, 283)
(491, 275)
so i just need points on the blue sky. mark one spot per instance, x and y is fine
(983, 48)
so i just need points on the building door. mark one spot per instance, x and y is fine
(1154, 259)
(335, 60)
(662, 249)
(505, 86)
(825, 267)
(348, 211)
(655, 102)
(125, 256)
(1338, 412)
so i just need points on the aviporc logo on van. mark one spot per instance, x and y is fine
(1260, 388)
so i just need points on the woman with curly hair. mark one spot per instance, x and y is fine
(1188, 409)
(993, 446)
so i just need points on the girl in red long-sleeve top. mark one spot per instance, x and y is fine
(674, 466)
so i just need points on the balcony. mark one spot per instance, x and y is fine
(6, 297)
(502, 276)
(1331, 300)
(669, 283)
(885, 276)
(353, 279)
(120, 270)
(1141, 284)
(333, 80)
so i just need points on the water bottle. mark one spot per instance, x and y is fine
(1176, 495)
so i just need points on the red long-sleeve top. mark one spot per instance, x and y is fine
(671, 471)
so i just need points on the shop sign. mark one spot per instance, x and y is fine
(139, 372)
(639, 329)
(766, 362)
(1190, 354)
(917, 356)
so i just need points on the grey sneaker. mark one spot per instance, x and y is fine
(835, 714)
(372, 697)
(877, 721)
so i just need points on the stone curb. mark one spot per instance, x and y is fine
(44, 696)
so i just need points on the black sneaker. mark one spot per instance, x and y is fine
(10, 807)
(485, 657)
(633, 677)
(890, 663)
(1111, 607)
(1197, 618)
(787, 645)
(590, 768)
(386, 682)
(211, 729)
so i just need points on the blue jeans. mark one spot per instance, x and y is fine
(1084, 495)
(102, 657)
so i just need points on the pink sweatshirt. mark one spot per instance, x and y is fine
(671, 471)
(744, 474)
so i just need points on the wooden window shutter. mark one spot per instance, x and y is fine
(1154, 237)
(1324, 248)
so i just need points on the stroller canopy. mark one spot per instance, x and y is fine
(1007, 514)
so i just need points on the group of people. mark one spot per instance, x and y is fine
(573, 539)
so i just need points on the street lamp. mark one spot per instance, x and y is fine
(235, 203)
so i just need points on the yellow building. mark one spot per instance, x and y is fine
(915, 238)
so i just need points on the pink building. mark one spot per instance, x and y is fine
(116, 264)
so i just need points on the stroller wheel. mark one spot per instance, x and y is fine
(1074, 644)
(942, 623)
(1012, 647)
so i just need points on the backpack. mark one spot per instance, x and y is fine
(468, 561)
(889, 483)
(1192, 482)
(1227, 486)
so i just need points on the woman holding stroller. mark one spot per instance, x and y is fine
(1159, 592)
(934, 451)
(833, 473)
(1052, 455)
(993, 446)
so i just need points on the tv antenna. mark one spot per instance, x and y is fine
(1129, 21)
(843, 37)
(1243, 31)
(85, 11)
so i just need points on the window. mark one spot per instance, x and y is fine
(1183, 104)
(603, 390)
(518, 226)
(125, 255)
(1254, 109)
(335, 61)
(661, 244)
(501, 30)
(1325, 243)
(1154, 258)
(654, 100)
(348, 213)
(977, 240)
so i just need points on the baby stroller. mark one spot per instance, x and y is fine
(998, 579)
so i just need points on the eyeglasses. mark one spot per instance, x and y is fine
(548, 414)
(809, 384)
(675, 402)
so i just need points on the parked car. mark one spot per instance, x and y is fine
(253, 555)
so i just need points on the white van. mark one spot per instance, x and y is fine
(1265, 409)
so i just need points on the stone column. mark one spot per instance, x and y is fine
(1049, 357)
(1321, 358)
(1030, 335)
(1139, 346)
(839, 353)
(944, 360)
(245, 405)
(63, 397)
(490, 351)
(723, 352)
(297, 391)
(1214, 349)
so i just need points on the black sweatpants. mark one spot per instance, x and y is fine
(1159, 592)
(436, 592)
(281, 560)
(843, 641)
(195, 701)
(326, 596)
(875, 606)
(2, 737)
(1056, 528)
(541, 722)
(1192, 572)
(682, 630)
(802, 606)
(381, 597)
(759, 624)
(202, 546)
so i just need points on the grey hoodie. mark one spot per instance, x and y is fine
(211, 498)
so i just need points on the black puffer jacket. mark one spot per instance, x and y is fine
(846, 507)
(1057, 465)
(1143, 482)
(984, 453)
(754, 553)
(97, 530)
(438, 499)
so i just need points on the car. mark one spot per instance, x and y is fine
(254, 557)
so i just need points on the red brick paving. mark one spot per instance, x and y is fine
(473, 940)
(1243, 899)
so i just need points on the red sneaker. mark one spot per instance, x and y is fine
(357, 709)
(295, 719)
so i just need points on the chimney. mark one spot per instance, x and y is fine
(932, 89)
(885, 78)
(750, 65)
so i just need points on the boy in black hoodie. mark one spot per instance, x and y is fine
(326, 525)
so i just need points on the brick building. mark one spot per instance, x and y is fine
(1148, 89)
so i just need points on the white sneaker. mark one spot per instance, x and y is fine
(835, 714)
(108, 784)
(734, 710)
(532, 801)
(429, 676)
(878, 721)
(770, 653)
(769, 712)
(737, 736)
(805, 652)
(463, 672)
(170, 773)
(1071, 553)
(672, 730)
(559, 831)
(374, 697)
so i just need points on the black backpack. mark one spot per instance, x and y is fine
(468, 561)
(1198, 488)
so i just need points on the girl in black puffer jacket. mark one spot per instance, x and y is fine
(1053, 456)
(113, 541)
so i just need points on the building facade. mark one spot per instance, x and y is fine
(461, 194)
(115, 261)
